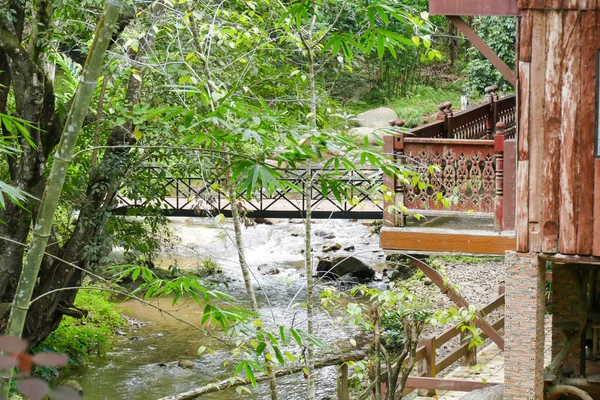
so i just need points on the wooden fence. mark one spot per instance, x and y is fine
(476, 123)
(428, 367)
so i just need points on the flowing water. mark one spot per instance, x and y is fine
(143, 363)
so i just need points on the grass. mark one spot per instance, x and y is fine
(81, 338)
(421, 106)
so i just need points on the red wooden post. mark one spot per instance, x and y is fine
(389, 219)
(491, 97)
(499, 198)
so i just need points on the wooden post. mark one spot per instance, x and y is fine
(470, 358)
(430, 357)
(389, 219)
(343, 392)
(446, 109)
(492, 100)
(499, 197)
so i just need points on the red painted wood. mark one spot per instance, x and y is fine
(552, 133)
(522, 196)
(569, 134)
(473, 7)
(526, 37)
(389, 219)
(596, 250)
(510, 171)
(536, 129)
(589, 56)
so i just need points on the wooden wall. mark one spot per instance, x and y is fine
(558, 176)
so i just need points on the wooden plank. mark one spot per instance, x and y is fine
(536, 129)
(510, 176)
(537, 4)
(585, 230)
(443, 241)
(473, 7)
(571, 4)
(596, 249)
(552, 128)
(570, 97)
(526, 37)
(446, 384)
(487, 52)
(522, 195)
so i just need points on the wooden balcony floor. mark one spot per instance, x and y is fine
(446, 232)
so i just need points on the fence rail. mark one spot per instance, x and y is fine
(196, 196)
(476, 123)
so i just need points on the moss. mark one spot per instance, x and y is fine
(82, 338)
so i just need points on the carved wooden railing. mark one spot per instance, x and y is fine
(476, 175)
(476, 123)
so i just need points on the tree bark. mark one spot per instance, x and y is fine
(43, 225)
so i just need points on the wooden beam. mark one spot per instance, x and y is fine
(446, 241)
(473, 7)
(488, 53)
(446, 384)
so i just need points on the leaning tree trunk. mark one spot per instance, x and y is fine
(89, 232)
(43, 225)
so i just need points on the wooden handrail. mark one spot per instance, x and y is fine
(427, 350)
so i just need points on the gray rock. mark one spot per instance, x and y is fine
(491, 393)
(330, 236)
(266, 270)
(377, 118)
(339, 266)
(324, 233)
(359, 135)
(349, 248)
(187, 364)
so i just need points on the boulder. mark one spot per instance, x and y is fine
(359, 135)
(339, 266)
(187, 364)
(377, 118)
(490, 393)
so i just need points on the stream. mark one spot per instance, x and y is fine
(143, 363)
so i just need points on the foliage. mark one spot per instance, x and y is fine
(14, 355)
(500, 34)
(207, 267)
(82, 337)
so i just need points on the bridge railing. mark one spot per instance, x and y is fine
(200, 196)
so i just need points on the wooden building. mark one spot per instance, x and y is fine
(557, 194)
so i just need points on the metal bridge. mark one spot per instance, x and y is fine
(196, 196)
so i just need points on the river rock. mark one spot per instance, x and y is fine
(73, 384)
(339, 266)
(324, 233)
(349, 248)
(377, 118)
(490, 393)
(187, 364)
(262, 221)
(266, 270)
(331, 247)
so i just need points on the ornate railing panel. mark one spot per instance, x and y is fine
(506, 112)
(471, 124)
(195, 196)
(466, 173)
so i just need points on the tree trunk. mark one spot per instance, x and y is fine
(43, 225)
